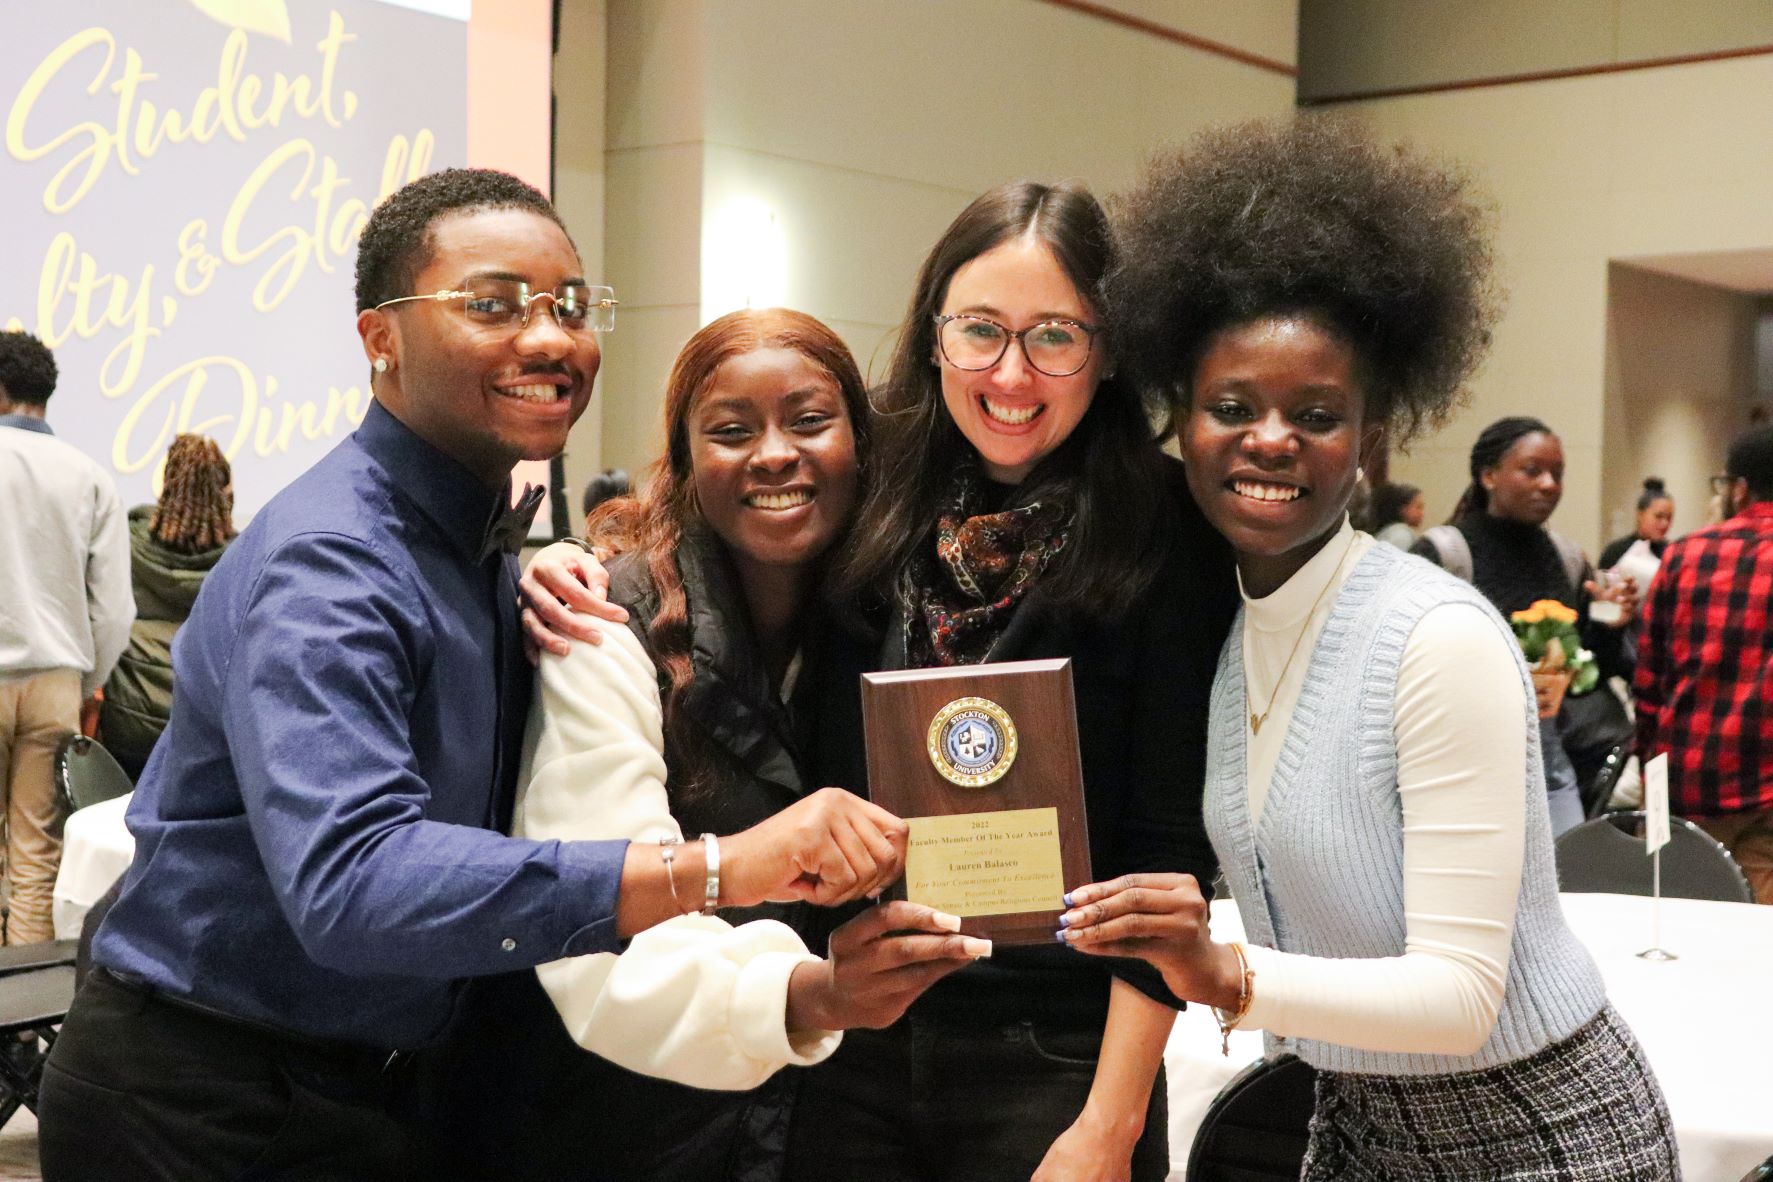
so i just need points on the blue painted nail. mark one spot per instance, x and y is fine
(1065, 921)
(1059, 936)
(1066, 898)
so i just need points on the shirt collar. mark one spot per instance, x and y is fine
(26, 423)
(450, 495)
(1292, 601)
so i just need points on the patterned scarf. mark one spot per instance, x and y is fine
(959, 604)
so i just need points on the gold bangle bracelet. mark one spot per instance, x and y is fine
(1246, 988)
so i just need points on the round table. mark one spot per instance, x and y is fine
(1701, 1019)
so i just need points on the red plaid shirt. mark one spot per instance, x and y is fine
(1704, 679)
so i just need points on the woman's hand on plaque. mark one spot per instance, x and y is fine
(565, 592)
(878, 964)
(827, 848)
(1161, 919)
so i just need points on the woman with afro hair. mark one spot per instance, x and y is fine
(1374, 789)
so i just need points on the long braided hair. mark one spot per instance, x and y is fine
(196, 509)
(1492, 444)
(653, 521)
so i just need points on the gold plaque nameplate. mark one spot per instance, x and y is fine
(997, 863)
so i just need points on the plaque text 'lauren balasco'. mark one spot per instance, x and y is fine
(982, 761)
(997, 863)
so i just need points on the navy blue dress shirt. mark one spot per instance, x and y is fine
(316, 830)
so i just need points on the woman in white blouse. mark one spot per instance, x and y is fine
(1374, 785)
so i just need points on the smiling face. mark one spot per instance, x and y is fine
(773, 457)
(1655, 519)
(486, 397)
(1528, 481)
(1272, 442)
(1013, 415)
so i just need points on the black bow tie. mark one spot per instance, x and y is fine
(508, 528)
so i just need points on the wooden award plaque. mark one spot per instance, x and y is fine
(982, 760)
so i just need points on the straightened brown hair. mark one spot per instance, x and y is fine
(1109, 468)
(653, 522)
(196, 507)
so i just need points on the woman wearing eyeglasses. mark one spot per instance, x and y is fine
(1021, 509)
(1374, 782)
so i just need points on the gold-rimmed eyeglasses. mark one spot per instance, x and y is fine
(504, 304)
(1057, 348)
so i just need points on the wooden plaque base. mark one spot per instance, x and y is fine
(916, 718)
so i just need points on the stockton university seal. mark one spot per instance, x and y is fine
(972, 742)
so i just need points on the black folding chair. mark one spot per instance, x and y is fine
(85, 773)
(1599, 788)
(1606, 855)
(33, 1002)
(1761, 1173)
(1258, 1125)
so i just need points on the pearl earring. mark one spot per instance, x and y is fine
(381, 365)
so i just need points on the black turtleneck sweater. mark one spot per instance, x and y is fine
(1514, 564)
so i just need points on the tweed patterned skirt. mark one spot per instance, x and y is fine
(1586, 1109)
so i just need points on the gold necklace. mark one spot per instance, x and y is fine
(1256, 720)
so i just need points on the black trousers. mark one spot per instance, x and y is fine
(927, 1101)
(140, 1089)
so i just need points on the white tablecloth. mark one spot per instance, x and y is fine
(1702, 1020)
(96, 849)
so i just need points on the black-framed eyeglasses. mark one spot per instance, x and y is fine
(504, 305)
(1057, 348)
(1720, 485)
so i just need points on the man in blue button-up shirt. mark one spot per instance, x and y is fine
(319, 862)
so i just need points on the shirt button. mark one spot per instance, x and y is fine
(508, 944)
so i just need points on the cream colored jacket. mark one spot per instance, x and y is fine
(694, 1000)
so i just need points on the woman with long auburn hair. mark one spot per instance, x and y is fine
(711, 703)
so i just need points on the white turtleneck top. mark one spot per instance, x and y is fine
(1460, 749)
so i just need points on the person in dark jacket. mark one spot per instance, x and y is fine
(1500, 543)
(172, 546)
(1023, 510)
(720, 569)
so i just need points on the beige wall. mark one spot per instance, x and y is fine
(579, 192)
(1586, 171)
(809, 152)
(1356, 46)
(1679, 381)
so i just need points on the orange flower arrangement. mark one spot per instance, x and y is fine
(1548, 638)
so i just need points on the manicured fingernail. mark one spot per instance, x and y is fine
(1065, 920)
(1060, 936)
(976, 948)
(945, 921)
(1066, 898)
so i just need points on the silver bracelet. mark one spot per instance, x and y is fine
(711, 887)
(668, 855)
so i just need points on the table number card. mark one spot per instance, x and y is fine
(1656, 803)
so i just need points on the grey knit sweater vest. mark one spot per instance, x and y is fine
(1322, 872)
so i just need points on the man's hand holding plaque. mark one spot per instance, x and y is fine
(982, 762)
